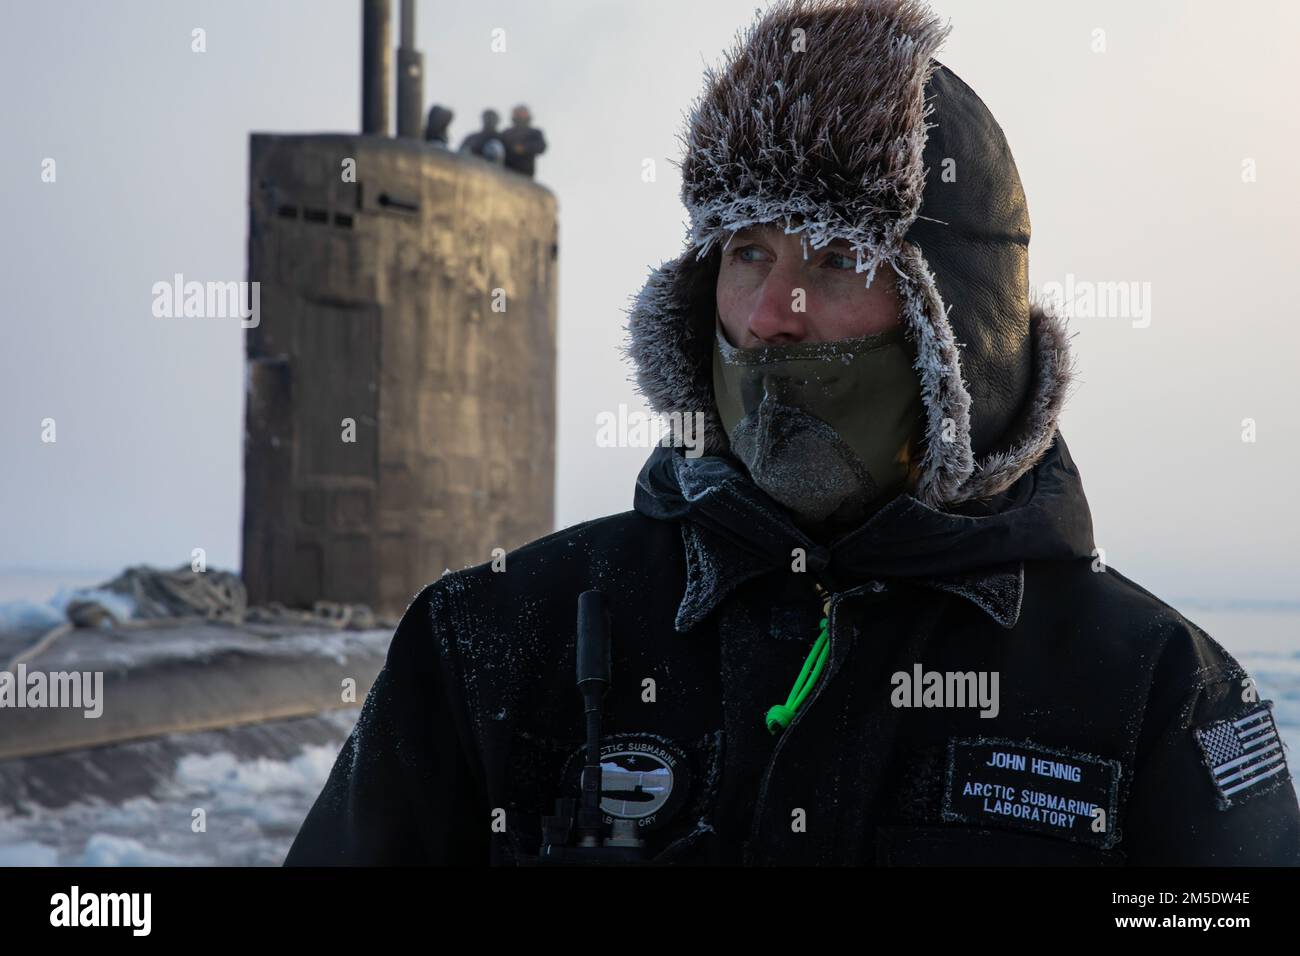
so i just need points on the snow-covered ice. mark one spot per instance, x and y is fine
(253, 809)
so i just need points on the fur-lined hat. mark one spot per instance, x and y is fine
(832, 118)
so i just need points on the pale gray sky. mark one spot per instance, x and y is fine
(1131, 159)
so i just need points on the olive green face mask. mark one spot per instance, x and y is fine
(824, 428)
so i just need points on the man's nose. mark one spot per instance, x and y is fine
(773, 319)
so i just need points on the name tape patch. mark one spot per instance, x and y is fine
(1244, 755)
(1019, 785)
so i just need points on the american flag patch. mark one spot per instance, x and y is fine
(1242, 754)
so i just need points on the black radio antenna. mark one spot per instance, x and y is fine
(593, 682)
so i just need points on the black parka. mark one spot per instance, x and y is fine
(1108, 699)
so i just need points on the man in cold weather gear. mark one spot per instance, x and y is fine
(523, 142)
(869, 624)
(479, 142)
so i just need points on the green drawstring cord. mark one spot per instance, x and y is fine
(779, 717)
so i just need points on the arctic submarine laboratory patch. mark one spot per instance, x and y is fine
(643, 777)
(1019, 785)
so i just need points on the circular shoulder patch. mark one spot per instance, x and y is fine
(643, 777)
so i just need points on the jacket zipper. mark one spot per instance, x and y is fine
(831, 605)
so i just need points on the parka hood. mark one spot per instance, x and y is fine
(817, 121)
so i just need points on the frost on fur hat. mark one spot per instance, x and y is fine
(832, 119)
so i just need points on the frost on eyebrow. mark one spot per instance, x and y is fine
(772, 231)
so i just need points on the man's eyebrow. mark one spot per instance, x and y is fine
(746, 233)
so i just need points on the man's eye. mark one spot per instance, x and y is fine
(838, 260)
(748, 254)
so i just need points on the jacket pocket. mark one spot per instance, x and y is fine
(972, 846)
